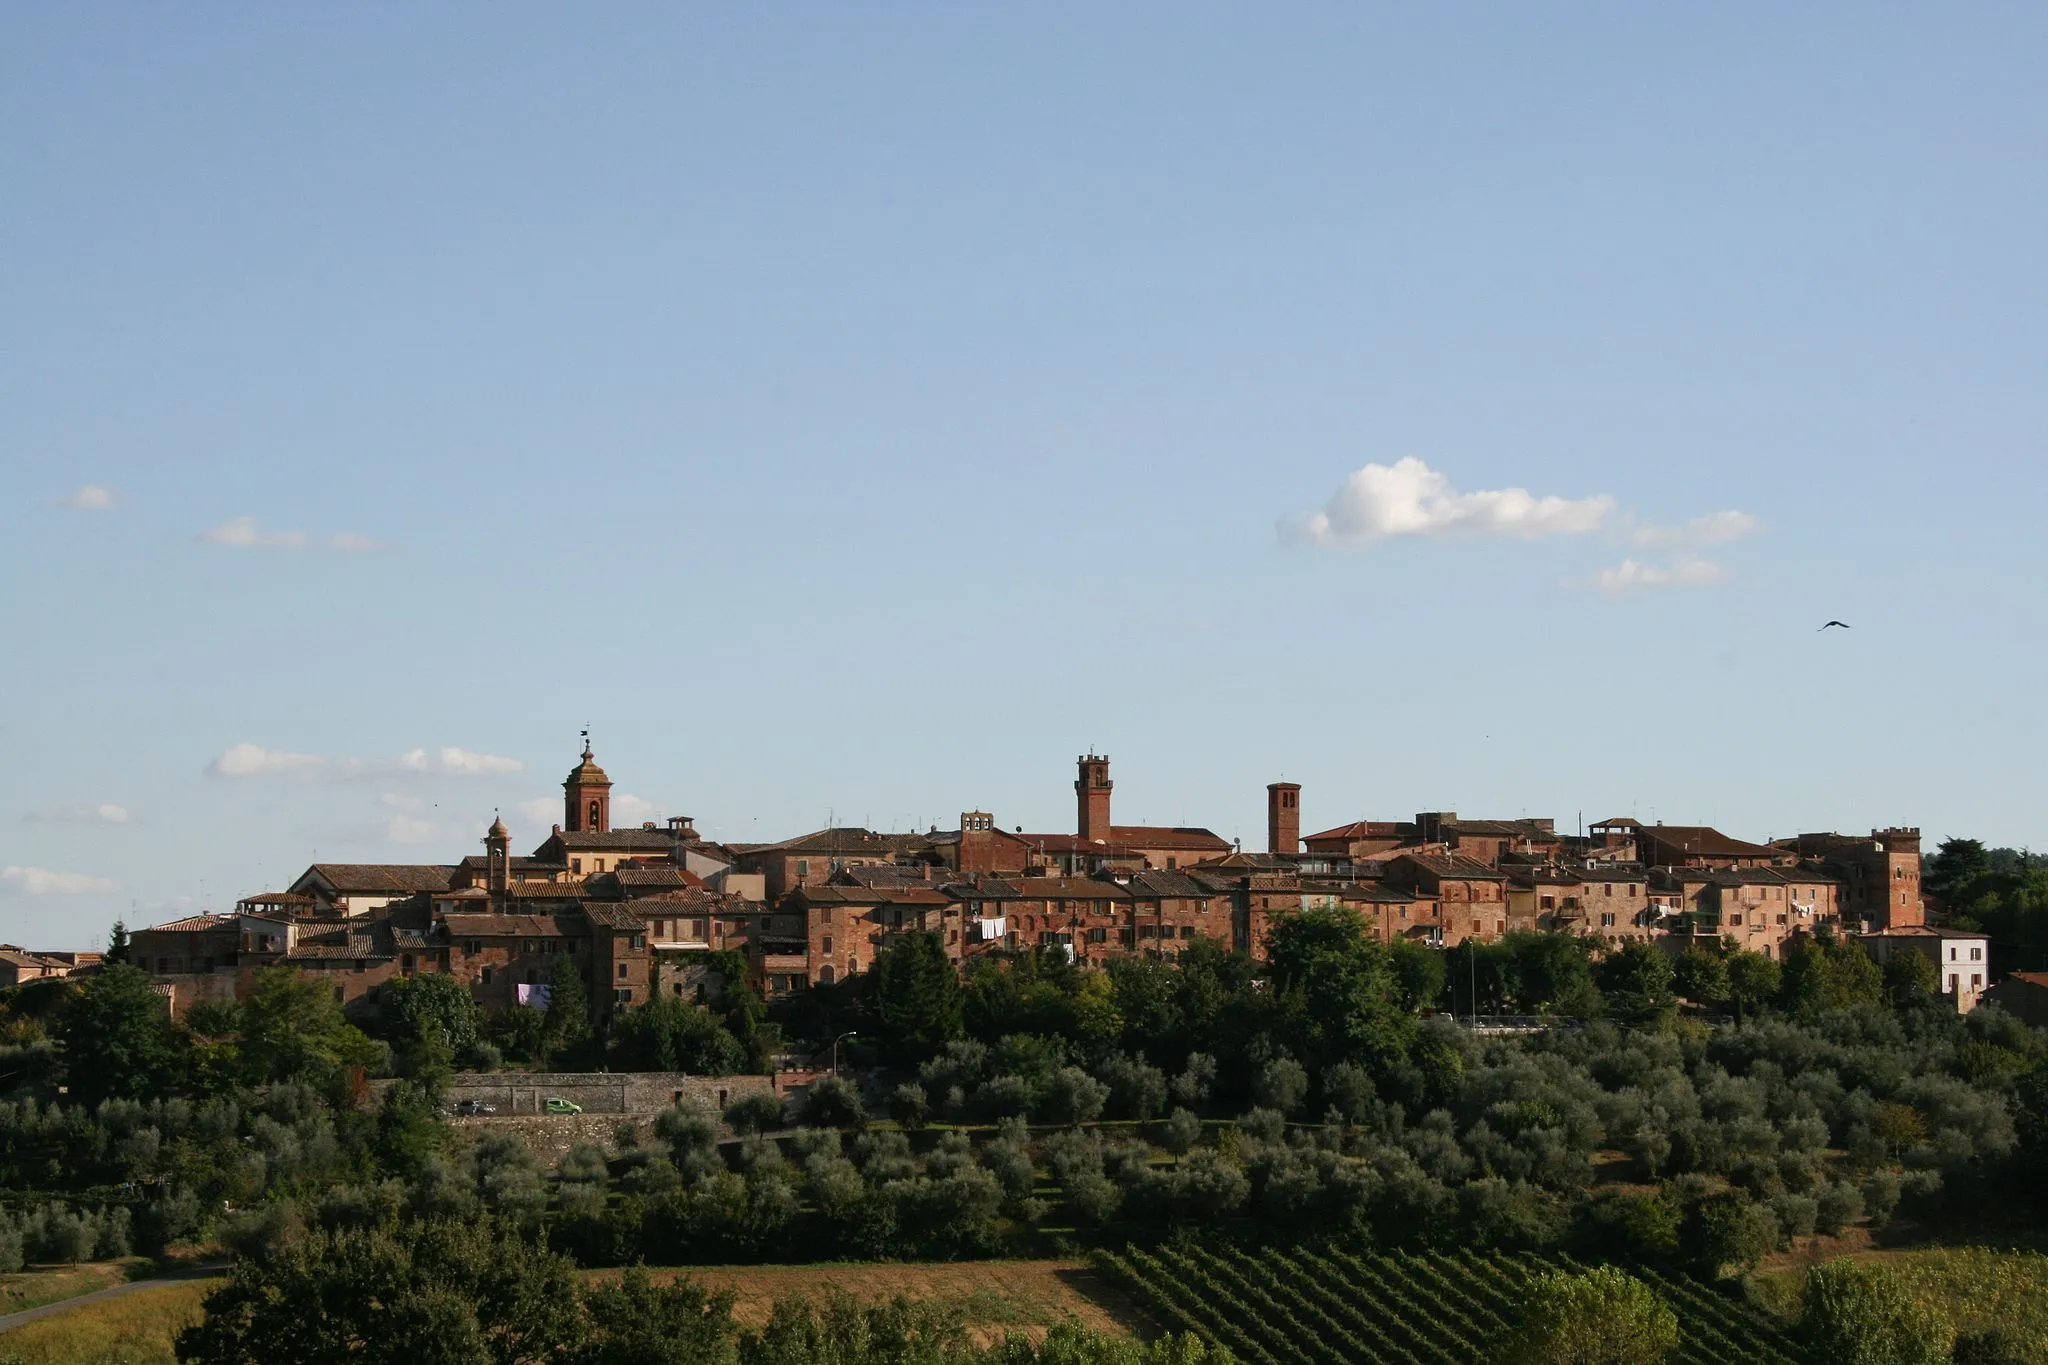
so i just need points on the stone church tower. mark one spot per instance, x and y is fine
(587, 797)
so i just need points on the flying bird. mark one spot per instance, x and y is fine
(1843, 624)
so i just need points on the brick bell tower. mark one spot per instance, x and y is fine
(1091, 797)
(587, 796)
(1283, 817)
(498, 859)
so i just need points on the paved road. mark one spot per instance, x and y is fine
(194, 1272)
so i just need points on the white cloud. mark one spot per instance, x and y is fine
(459, 763)
(397, 801)
(253, 760)
(40, 881)
(543, 812)
(1408, 498)
(241, 533)
(628, 809)
(1630, 576)
(1715, 528)
(98, 813)
(91, 497)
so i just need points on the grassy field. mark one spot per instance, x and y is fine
(1020, 1298)
(34, 1288)
(998, 1298)
(1977, 1288)
(135, 1329)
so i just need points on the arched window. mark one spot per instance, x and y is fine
(594, 809)
(825, 975)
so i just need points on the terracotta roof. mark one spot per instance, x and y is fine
(1169, 836)
(1927, 931)
(1503, 829)
(1260, 862)
(544, 891)
(611, 916)
(353, 946)
(1069, 888)
(1450, 865)
(841, 841)
(1737, 876)
(1612, 872)
(2031, 978)
(1167, 885)
(983, 888)
(191, 924)
(664, 902)
(637, 878)
(517, 863)
(1360, 829)
(837, 894)
(465, 925)
(1074, 843)
(883, 874)
(602, 841)
(1706, 842)
(374, 878)
(276, 898)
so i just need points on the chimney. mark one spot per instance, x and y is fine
(1283, 817)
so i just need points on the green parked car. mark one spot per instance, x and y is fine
(558, 1105)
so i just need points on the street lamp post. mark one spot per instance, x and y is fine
(850, 1033)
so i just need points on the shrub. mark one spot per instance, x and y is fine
(1838, 1206)
(1181, 1132)
(1602, 1317)
(1860, 1314)
(757, 1111)
(584, 1164)
(1726, 1233)
(1073, 1096)
(1281, 1084)
(909, 1105)
(833, 1102)
(1264, 1125)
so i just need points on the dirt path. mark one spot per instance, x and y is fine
(193, 1272)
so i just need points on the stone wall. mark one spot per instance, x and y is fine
(599, 1092)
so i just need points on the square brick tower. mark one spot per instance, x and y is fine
(1283, 817)
(1091, 797)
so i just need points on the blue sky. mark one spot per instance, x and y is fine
(865, 409)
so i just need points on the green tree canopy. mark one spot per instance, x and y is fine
(432, 1003)
(435, 1293)
(1636, 979)
(1700, 976)
(1335, 988)
(1602, 1317)
(1911, 979)
(665, 1034)
(914, 997)
(117, 1037)
(1825, 971)
(292, 1029)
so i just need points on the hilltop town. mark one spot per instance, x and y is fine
(639, 909)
